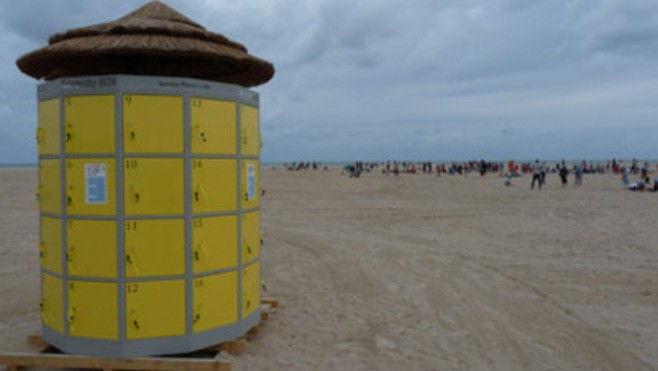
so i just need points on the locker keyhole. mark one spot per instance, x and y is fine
(249, 249)
(197, 196)
(69, 200)
(69, 137)
(197, 255)
(203, 137)
(136, 197)
(132, 135)
(136, 324)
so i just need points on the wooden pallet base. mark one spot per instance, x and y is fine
(204, 360)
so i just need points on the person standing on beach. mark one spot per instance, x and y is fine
(536, 174)
(579, 175)
(564, 173)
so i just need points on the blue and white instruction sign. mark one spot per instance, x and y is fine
(251, 181)
(96, 183)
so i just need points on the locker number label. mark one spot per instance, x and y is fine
(96, 184)
(251, 181)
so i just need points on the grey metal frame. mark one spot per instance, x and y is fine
(119, 85)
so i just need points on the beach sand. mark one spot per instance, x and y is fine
(420, 272)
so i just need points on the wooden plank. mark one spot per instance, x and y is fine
(37, 341)
(273, 303)
(16, 361)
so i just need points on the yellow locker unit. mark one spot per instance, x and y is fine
(154, 247)
(48, 129)
(90, 187)
(215, 301)
(213, 126)
(89, 124)
(52, 308)
(153, 186)
(250, 289)
(152, 124)
(250, 184)
(50, 244)
(155, 309)
(250, 132)
(214, 242)
(93, 310)
(149, 200)
(251, 236)
(91, 249)
(49, 189)
(213, 185)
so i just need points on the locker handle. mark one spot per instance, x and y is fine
(200, 194)
(244, 137)
(71, 315)
(197, 315)
(69, 134)
(133, 320)
(40, 136)
(70, 258)
(131, 261)
(202, 135)
(200, 252)
(135, 193)
(132, 133)
(69, 200)
(260, 238)
(42, 250)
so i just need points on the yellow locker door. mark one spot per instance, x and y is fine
(89, 123)
(90, 186)
(50, 246)
(152, 124)
(213, 126)
(91, 250)
(251, 237)
(153, 186)
(155, 309)
(213, 185)
(215, 301)
(93, 310)
(249, 196)
(154, 247)
(250, 132)
(48, 129)
(52, 310)
(250, 289)
(215, 241)
(50, 196)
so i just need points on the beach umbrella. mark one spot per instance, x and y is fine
(152, 40)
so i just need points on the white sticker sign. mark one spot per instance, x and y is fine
(96, 184)
(251, 181)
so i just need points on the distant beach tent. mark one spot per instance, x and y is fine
(153, 40)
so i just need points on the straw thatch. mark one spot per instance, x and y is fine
(153, 40)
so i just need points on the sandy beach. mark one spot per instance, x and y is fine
(420, 272)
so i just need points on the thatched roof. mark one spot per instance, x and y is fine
(152, 40)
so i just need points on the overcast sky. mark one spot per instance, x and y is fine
(404, 79)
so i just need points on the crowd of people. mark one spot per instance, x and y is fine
(508, 171)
